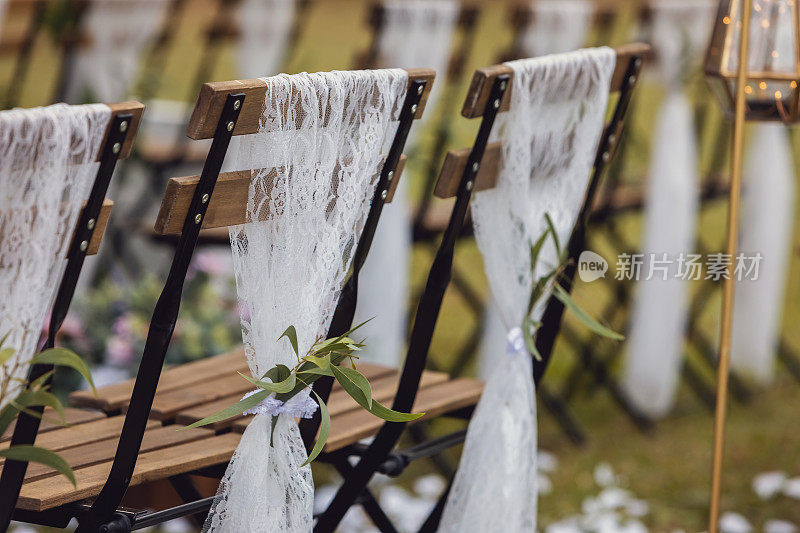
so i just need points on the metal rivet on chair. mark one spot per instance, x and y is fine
(638, 62)
(612, 138)
(384, 194)
(469, 185)
(116, 148)
(390, 175)
(90, 223)
(420, 89)
(236, 105)
(123, 126)
(475, 166)
(84, 245)
(204, 199)
(198, 217)
(230, 126)
(632, 79)
(497, 104)
(503, 85)
(414, 108)
(606, 157)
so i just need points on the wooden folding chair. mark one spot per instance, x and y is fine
(146, 451)
(20, 22)
(121, 130)
(463, 172)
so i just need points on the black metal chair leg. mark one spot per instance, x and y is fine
(185, 488)
(431, 524)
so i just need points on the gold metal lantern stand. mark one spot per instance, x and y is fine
(764, 87)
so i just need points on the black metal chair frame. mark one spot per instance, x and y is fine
(378, 456)
(105, 514)
(27, 425)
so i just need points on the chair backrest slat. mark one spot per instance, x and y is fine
(207, 111)
(225, 207)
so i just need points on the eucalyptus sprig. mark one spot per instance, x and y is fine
(35, 394)
(552, 279)
(323, 359)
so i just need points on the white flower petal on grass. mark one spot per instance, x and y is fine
(632, 526)
(429, 487)
(779, 526)
(546, 461)
(767, 484)
(614, 498)
(604, 475)
(637, 508)
(734, 523)
(791, 488)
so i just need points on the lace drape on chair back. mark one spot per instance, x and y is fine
(679, 34)
(47, 167)
(266, 27)
(414, 33)
(118, 33)
(317, 158)
(549, 138)
(557, 26)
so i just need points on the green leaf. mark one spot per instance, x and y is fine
(538, 289)
(354, 383)
(553, 232)
(529, 327)
(3, 340)
(291, 334)
(229, 412)
(536, 250)
(392, 416)
(323, 362)
(41, 380)
(278, 373)
(64, 357)
(278, 388)
(35, 454)
(5, 354)
(7, 415)
(584, 317)
(316, 371)
(38, 398)
(324, 430)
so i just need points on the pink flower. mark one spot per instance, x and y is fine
(120, 352)
(212, 263)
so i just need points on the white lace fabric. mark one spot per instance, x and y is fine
(266, 28)
(316, 161)
(549, 141)
(414, 34)
(557, 26)
(47, 168)
(119, 33)
(679, 34)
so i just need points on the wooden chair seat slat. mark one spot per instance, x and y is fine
(102, 451)
(51, 420)
(82, 434)
(434, 400)
(436, 396)
(375, 373)
(42, 494)
(113, 398)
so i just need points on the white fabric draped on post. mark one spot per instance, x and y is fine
(557, 26)
(318, 154)
(266, 28)
(767, 223)
(549, 140)
(414, 34)
(47, 168)
(680, 29)
(118, 33)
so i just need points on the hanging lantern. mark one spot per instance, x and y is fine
(773, 67)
